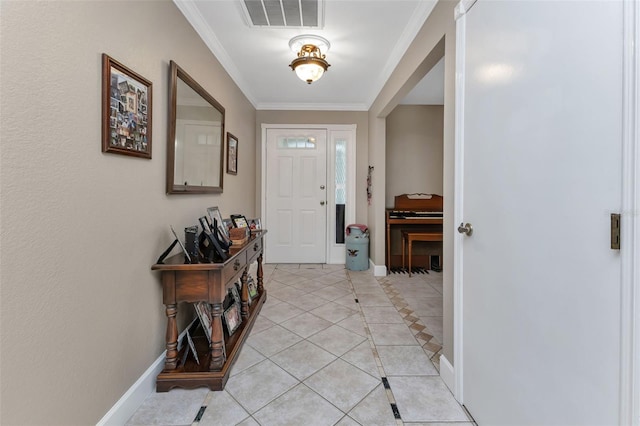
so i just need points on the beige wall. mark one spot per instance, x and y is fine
(414, 151)
(435, 39)
(81, 311)
(324, 117)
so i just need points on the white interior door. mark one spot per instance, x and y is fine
(541, 146)
(296, 195)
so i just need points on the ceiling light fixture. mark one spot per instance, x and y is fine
(310, 64)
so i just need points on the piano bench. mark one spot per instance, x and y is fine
(409, 237)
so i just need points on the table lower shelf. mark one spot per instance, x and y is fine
(192, 375)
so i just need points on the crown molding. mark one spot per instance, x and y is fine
(311, 107)
(199, 24)
(410, 32)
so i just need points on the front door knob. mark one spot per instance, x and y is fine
(465, 229)
(322, 203)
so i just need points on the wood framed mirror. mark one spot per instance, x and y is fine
(195, 143)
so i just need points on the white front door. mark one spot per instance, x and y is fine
(541, 120)
(296, 195)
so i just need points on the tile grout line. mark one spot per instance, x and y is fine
(301, 382)
(409, 317)
(376, 356)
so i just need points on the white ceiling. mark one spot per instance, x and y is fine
(368, 37)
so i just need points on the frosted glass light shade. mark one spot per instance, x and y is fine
(309, 71)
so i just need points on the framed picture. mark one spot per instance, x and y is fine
(216, 218)
(254, 224)
(235, 294)
(239, 221)
(232, 318)
(252, 287)
(184, 250)
(203, 309)
(126, 110)
(232, 154)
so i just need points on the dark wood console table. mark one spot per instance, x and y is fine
(208, 282)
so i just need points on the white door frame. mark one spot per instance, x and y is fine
(630, 238)
(350, 209)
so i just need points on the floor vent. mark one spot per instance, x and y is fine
(284, 13)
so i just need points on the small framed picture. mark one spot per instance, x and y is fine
(203, 309)
(216, 218)
(232, 154)
(235, 294)
(232, 318)
(205, 224)
(254, 224)
(184, 250)
(239, 221)
(253, 287)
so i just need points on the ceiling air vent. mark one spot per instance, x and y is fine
(284, 13)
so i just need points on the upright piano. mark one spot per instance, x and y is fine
(414, 212)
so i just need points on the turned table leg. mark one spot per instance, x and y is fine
(244, 295)
(217, 339)
(171, 338)
(259, 273)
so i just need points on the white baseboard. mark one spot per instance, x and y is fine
(129, 403)
(447, 374)
(378, 270)
(134, 397)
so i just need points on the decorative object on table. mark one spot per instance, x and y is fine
(239, 221)
(211, 248)
(214, 215)
(232, 154)
(223, 241)
(239, 236)
(187, 258)
(255, 224)
(203, 309)
(228, 224)
(191, 243)
(126, 110)
(232, 318)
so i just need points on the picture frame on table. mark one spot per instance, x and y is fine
(232, 154)
(184, 249)
(216, 218)
(232, 318)
(126, 110)
(255, 224)
(239, 221)
(206, 223)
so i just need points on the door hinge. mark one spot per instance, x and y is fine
(615, 231)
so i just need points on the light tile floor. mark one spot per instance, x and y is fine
(319, 351)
